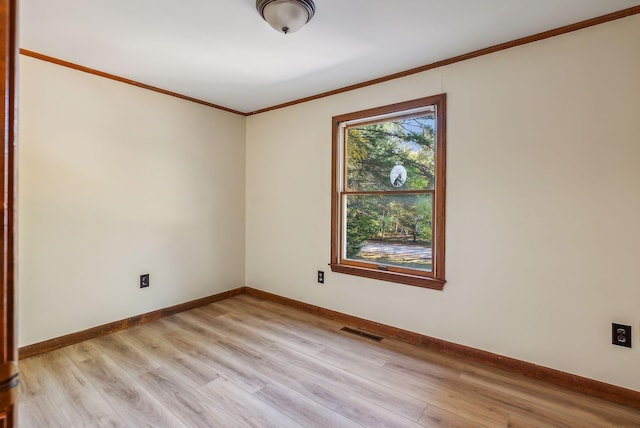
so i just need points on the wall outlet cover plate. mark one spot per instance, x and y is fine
(621, 335)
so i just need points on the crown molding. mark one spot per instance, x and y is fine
(120, 79)
(470, 55)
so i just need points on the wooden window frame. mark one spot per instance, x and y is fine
(433, 279)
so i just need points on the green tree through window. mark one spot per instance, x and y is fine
(389, 193)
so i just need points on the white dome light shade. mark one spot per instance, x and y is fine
(286, 16)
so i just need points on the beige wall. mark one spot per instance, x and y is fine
(543, 204)
(116, 181)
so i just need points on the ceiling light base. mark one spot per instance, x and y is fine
(286, 16)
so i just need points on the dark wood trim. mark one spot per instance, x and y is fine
(336, 218)
(433, 279)
(584, 385)
(386, 192)
(388, 275)
(470, 55)
(95, 72)
(439, 197)
(112, 327)
(8, 13)
(591, 387)
(358, 123)
(8, 65)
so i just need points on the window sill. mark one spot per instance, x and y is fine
(417, 281)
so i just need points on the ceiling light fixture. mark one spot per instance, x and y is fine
(286, 16)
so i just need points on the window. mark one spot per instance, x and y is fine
(388, 181)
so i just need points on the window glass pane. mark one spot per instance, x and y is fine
(395, 154)
(393, 230)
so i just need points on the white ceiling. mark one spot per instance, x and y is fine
(222, 52)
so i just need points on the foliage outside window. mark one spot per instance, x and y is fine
(388, 193)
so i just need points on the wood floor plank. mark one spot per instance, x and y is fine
(186, 403)
(75, 396)
(452, 395)
(37, 408)
(527, 420)
(434, 417)
(246, 361)
(150, 340)
(371, 415)
(127, 356)
(314, 328)
(270, 331)
(551, 401)
(280, 326)
(391, 381)
(127, 397)
(401, 404)
(329, 331)
(193, 371)
(332, 395)
(219, 359)
(214, 309)
(83, 351)
(302, 409)
(245, 406)
(180, 323)
(225, 327)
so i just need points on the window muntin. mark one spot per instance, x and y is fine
(388, 193)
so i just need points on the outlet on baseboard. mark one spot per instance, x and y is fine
(144, 280)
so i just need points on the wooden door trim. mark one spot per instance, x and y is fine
(8, 367)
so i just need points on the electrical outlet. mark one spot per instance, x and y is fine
(144, 280)
(621, 335)
(321, 277)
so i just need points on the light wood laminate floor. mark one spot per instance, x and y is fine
(245, 362)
